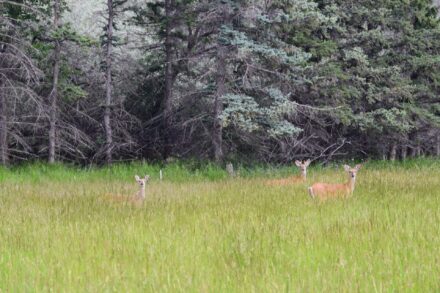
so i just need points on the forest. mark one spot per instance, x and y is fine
(220, 80)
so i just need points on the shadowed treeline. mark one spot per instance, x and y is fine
(255, 81)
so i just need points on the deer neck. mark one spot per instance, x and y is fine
(351, 182)
(304, 175)
(301, 177)
(141, 193)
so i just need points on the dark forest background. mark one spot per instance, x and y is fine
(256, 80)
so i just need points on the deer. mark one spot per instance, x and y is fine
(324, 191)
(293, 179)
(139, 198)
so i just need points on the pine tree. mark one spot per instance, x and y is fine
(18, 76)
(375, 71)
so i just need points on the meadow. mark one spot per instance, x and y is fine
(200, 231)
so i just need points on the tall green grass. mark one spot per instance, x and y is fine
(201, 231)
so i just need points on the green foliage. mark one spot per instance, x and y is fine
(246, 113)
(299, 78)
(248, 46)
(71, 92)
(66, 33)
(381, 65)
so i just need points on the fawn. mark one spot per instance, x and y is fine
(324, 191)
(139, 198)
(293, 179)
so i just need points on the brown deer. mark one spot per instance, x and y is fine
(324, 191)
(138, 199)
(292, 179)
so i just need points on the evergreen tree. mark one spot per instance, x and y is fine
(18, 76)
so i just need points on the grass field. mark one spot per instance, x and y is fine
(201, 232)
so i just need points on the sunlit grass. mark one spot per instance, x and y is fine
(200, 231)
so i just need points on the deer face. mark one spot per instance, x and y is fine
(302, 165)
(352, 172)
(142, 181)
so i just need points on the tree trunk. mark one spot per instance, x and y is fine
(168, 96)
(393, 152)
(383, 152)
(404, 153)
(3, 131)
(437, 146)
(283, 149)
(4, 157)
(53, 117)
(413, 152)
(108, 86)
(217, 134)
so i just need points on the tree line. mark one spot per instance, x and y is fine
(256, 80)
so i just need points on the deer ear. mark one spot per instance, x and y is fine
(137, 178)
(358, 166)
(297, 163)
(347, 168)
(307, 163)
(147, 177)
